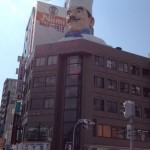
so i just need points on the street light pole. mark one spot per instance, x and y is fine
(73, 139)
(85, 123)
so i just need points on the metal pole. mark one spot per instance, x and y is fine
(73, 139)
(131, 137)
(131, 143)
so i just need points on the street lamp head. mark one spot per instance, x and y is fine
(91, 123)
(86, 122)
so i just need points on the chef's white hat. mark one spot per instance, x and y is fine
(87, 4)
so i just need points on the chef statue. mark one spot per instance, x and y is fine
(80, 21)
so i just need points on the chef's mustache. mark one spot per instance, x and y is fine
(72, 18)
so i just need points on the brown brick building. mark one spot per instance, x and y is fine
(69, 80)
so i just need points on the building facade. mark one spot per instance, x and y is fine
(46, 24)
(75, 79)
(61, 82)
(7, 110)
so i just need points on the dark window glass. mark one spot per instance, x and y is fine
(118, 132)
(45, 132)
(32, 131)
(38, 131)
(138, 111)
(145, 73)
(74, 60)
(70, 115)
(147, 113)
(136, 90)
(112, 107)
(40, 61)
(123, 67)
(98, 82)
(73, 69)
(112, 85)
(98, 104)
(135, 70)
(70, 103)
(112, 64)
(35, 103)
(99, 61)
(52, 60)
(137, 135)
(145, 135)
(146, 92)
(124, 87)
(72, 91)
(48, 103)
(73, 80)
(68, 127)
(38, 81)
(51, 81)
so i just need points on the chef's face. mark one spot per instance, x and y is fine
(78, 18)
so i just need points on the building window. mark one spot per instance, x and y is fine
(73, 80)
(73, 69)
(135, 70)
(146, 92)
(71, 103)
(38, 82)
(118, 132)
(74, 60)
(137, 134)
(98, 82)
(48, 103)
(112, 64)
(147, 113)
(121, 133)
(70, 115)
(98, 104)
(38, 131)
(72, 91)
(51, 81)
(124, 87)
(40, 61)
(123, 67)
(99, 61)
(35, 104)
(104, 130)
(138, 111)
(145, 135)
(112, 107)
(145, 73)
(68, 127)
(112, 85)
(136, 90)
(52, 60)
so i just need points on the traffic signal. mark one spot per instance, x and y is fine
(129, 109)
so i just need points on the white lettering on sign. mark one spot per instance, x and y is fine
(51, 19)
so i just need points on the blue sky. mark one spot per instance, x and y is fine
(120, 23)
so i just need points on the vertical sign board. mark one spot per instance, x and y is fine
(50, 23)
